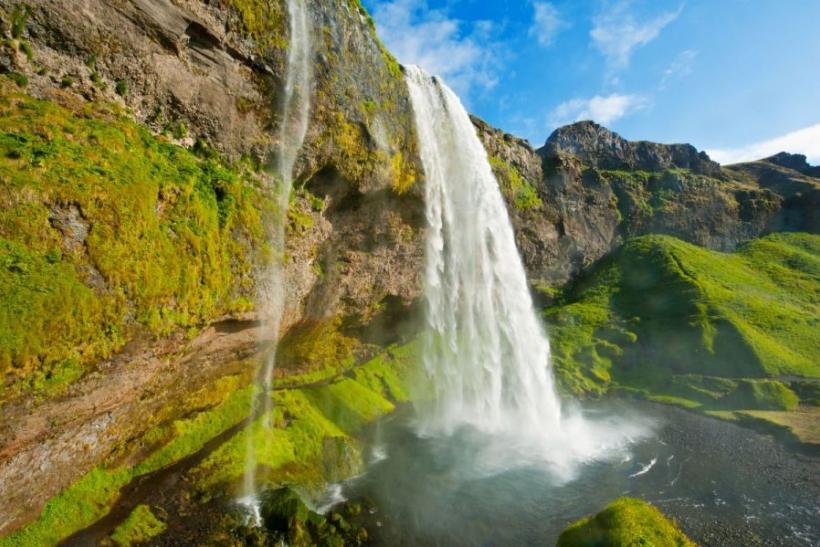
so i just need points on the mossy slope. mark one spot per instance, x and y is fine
(694, 326)
(104, 227)
(312, 442)
(625, 522)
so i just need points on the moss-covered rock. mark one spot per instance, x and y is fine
(140, 526)
(288, 519)
(626, 522)
(105, 228)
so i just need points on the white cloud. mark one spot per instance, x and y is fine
(463, 56)
(681, 67)
(546, 23)
(617, 33)
(804, 141)
(603, 110)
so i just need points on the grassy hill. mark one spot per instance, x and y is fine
(675, 322)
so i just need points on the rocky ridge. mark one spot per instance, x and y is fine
(597, 189)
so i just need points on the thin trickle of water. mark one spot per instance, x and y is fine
(295, 112)
(486, 353)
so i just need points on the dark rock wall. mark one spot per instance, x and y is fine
(598, 189)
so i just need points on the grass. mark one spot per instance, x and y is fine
(670, 319)
(90, 498)
(801, 424)
(626, 522)
(311, 442)
(314, 425)
(140, 526)
(104, 227)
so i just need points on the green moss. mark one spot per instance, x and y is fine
(25, 47)
(514, 186)
(19, 20)
(20, 79)
(171, 239)
(263, 21)
(90, 498)
(680, 321)
(121, 88)
(313, 424)
(625, 522)
(140, 526)
(315, 346)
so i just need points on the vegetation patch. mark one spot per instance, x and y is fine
(140, 526)
(625, 521)
(90, 498)
(665, 319)
(263, 21)
(514, 186)
(104, 227)
(314, 425)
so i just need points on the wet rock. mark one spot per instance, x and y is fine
(287, 518)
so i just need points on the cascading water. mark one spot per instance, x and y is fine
(486, 353)
(295, 111)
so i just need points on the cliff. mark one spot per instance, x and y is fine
(593, 190)
(136, 206)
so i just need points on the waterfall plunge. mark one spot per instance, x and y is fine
(295, 111)
(485, 351)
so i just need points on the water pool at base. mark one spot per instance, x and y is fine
(725, 485)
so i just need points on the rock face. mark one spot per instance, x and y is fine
(597, 189)
(208, 76)
(795, 162)
(597, 146)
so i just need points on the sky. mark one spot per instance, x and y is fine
(738, 78)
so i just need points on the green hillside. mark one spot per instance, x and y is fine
(706, 329)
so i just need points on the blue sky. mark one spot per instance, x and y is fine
(739, 78)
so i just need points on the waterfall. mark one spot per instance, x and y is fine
(485, 349)
(295, 115)
(486, 353)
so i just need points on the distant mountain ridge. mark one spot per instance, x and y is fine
(598, 146)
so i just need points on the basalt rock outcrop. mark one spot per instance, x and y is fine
(597, 189)
(597, 146)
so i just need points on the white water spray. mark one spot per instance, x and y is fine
(486, 353)
(295, 111)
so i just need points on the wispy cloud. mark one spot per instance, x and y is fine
(464, 55)
(546, 23)
(603, 110)
(680, 68)
(617, 32)
(804, 141)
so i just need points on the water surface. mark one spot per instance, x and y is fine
(724, 484)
